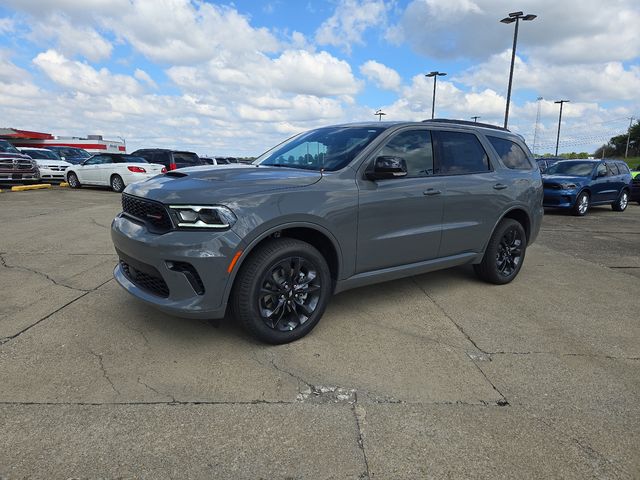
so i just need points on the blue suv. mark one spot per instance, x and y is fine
(579, 184)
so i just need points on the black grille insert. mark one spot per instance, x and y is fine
(153, 214)
(149, 280)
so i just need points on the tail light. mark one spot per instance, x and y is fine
(172, 166)
(164, 170)
(137, 169)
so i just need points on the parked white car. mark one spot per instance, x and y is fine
(51, 166)
(116, 170)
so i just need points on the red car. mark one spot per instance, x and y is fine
(16, 167)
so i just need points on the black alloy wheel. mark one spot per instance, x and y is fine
(289, 293)
(505, 252)
(281, 290)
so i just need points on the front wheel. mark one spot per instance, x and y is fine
(620, 205)
(504, 254)
(117, 184)
(282, 290)
(581, 207)
(72, 180)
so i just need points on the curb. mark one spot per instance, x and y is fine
(63, 184)
(22, 188)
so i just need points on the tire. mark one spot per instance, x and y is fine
(117, 184)
(264, 298)
(620, 205)
(505, 253)
(72, 180)
(581, 207)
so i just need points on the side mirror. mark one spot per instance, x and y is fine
(387, 167)
(601, 174)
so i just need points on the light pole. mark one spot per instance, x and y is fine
(435, 76)
(626, 151)
(513, 17)
(475, 118)
(561, 102)
(379, 113)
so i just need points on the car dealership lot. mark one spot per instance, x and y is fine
(439, 375)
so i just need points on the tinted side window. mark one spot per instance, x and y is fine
(602, 170)
(186, 159)
(460, 153)
(510, 153)
(623, 168)
(160, 157)
(613, 169)
(414, 146)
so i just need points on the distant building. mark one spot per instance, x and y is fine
(92, 143)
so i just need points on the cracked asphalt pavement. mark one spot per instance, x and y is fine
(435, 376)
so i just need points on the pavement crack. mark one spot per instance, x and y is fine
(444, 312)
(561, 354)
(502, 402)
(95, 222)
(3, 262)
(104, 371)
(49, 315)
(360, 415)
(173, 399)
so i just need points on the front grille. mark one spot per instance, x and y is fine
(149, 281)
(552, 186)
(153, 214)
(20, 165)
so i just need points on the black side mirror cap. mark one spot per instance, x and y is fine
(386, 166)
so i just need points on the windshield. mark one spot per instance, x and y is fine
(576, 169)
(329, 148)
(46, 154)
(6, 147)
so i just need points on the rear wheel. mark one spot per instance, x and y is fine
(504, 254)
(117, 184)
(72, 180)
(620, 205)
(581, 207)
(282, 290)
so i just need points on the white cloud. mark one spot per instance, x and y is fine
(381, 75)
(144, 77)
(349, 22)
(72, 39)
(81, 77)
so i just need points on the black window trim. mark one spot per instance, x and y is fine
(527, 156)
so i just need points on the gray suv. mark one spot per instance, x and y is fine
(325, 211)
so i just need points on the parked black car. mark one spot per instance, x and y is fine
(635, 190)
(172, 159)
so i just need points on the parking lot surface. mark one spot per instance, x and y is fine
(435, 376)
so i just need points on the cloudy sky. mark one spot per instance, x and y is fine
(233, 78)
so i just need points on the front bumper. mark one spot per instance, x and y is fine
(208, 253)
(559, 198)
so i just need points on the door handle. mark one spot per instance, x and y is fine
(500, 186)
(431, 192)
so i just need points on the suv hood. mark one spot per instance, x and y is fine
(217, 184)
(21, 156)
(563, 178)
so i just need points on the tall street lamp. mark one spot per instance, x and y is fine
(475, 118)
(513, 17)
(379, 113)
(561, 102)
(435, 76)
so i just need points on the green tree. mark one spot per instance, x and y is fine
(618, 144)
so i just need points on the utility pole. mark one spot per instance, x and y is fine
(475, 118)
(379, 113)
(626, 152)
(535, 131)
(435, 76)
(561, 102)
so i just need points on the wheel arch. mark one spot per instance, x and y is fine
(521, 216)
(311, 233)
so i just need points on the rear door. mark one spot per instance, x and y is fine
(475, 193)
(399, 218)
(603, 188)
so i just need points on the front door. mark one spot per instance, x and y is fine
(399, 219)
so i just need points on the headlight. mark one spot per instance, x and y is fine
(566, 186)
(203, 216)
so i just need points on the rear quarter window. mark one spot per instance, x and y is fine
(510, 153)
(459, 153)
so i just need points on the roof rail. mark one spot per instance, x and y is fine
(466, 122)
